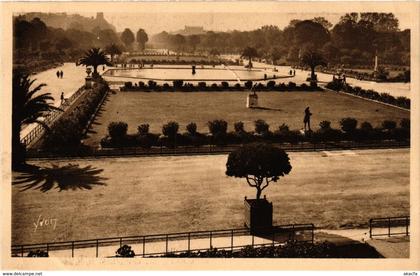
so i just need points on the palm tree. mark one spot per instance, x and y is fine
(313, 59)
(28, 108)
(249, 52)
(113, 50)
(94, 57)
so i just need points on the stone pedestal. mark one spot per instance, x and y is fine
(258, 215)
(88, 82)
(252, 101)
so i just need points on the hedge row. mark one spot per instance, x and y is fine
(183, 61)
(288, 250)
(180, 85)
(66, 133)
(218, 135)
(403, 102)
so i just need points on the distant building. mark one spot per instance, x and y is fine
(71, 21)
(191, 30)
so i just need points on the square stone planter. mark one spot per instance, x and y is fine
(258, 215)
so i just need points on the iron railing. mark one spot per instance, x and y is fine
(210, 149)
(276, 235)
(390, 226)
(52, 116)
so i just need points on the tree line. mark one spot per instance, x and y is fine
(354, 40)
(35, 44)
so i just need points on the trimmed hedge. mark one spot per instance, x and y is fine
(219, 136)
(66, 133)
(288, 250)
(180, 85)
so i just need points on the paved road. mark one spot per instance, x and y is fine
(73, 79)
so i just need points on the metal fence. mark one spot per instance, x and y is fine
(390, 226)
(52, 116)
(211, 149)
(161, 244)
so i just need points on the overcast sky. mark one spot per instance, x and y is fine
(156, 22)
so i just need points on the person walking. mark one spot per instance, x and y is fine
(307, 119)
(58, 74)
(61, 74)
(62, 97)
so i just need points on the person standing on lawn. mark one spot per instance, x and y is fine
(307, 119)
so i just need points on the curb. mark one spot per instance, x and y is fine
(367, 99)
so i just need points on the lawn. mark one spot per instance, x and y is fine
(157, 108)
(145, 195)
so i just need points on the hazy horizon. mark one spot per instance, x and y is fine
(155, 23)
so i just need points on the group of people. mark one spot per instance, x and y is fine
(59, 74)
(292, 72)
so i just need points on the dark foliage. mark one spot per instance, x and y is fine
(170, 129)
(38, 253)
(125, 251)
(260, 164)
(118, 132)
(348, 124)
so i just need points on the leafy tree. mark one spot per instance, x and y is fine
(178, 41)
(94, 57)
(142, 38)
(275, 54)
(382, 22)
(323, 22)
(330, 52)
(389, 125)
(28, 107)
(259, 164)
(249, 52)
(239, 127)
(127, 37)
(193, 40)
(170, 129)
(217, 127)
(64, 44)
(348, 124)
(143, 129)
(192, 128)
(366, 126)
(117, 131)
(113, 50)
(261, 127)
(405, 123)
(325, 125)
(107, 37)
(313, 59)
(214, 52)
(310, 32)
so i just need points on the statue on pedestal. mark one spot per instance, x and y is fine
(252, 99)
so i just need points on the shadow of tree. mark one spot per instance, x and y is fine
(68, 177)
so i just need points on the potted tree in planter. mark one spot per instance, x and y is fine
(259, 164)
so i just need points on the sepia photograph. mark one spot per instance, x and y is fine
(180, 131)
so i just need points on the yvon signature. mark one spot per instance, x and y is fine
(45, 222)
